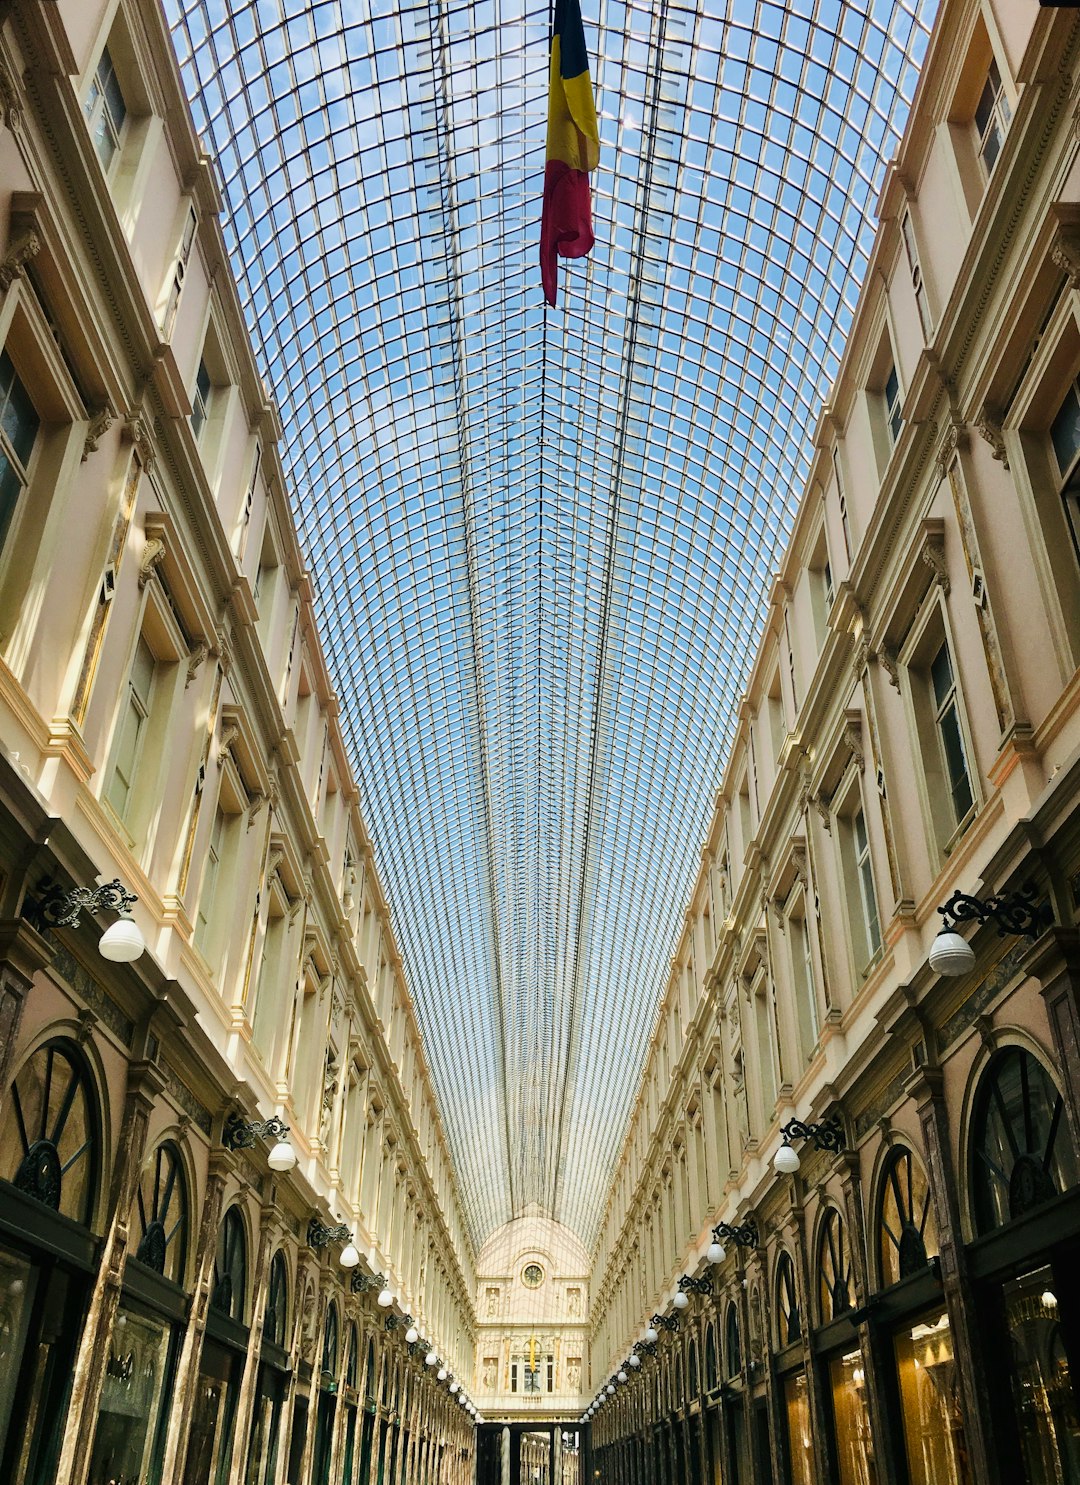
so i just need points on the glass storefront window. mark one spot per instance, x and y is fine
(930, 1398)
(210, 1444)
(1042, 1385)
(851, 1421)
(262, 1456)
(17, 1283)
(800, 1437)
(136, 1376)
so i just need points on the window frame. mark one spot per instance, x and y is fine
(863, 954)
(98, 112)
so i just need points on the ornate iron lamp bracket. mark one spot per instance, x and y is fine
(745, 1236)
(665, 1322)
(321, 1236)
(241, 1134)
(361, 1283)
(689, 1285)
(828, 1135)
(59, 909)
(1012, 912)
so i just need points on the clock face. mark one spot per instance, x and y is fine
(532, 1276)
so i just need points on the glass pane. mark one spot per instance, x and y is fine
(800, 1437)
(132, 1397)
(1042, 1385)
(11, 486)
(1065, 431)
(851, 1420)
(210, 1443)
(18, 1282)
(930, 1399)
(1022, 1152)
(941, 675)
(955, 762)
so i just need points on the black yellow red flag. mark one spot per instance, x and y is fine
(573, 148)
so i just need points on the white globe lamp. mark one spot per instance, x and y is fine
(385, 1298)
(716, 1253)
(349, 1256)
(121, 942)
(622, 1377)
(282, 1156)
(635, 1362)
(412, 1335)
(431, 1359)
(681, 1300)
(786, 1160)
(950, 954)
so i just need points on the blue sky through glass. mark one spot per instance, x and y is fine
(541, 541)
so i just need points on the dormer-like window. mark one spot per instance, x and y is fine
(106, 111)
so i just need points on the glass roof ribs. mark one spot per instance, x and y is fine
(541, 542)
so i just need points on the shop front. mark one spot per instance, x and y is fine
(221, 1365)
(50, 1158)
(273, 1379)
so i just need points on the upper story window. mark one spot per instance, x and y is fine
(132, 730)
(179, 273)
(106, 111)
(911, 250)
(841, 492)
(1065, 438)
(865, 869)
(950, 739)
(992, 115)
(201, 399)
(892, 404)
(19, 424)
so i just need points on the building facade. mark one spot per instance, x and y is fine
(173, 1304)
(902, 1308)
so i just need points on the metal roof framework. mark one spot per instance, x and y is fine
(542, 540)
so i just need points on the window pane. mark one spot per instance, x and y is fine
(18, 420)
(929, 1392)
(941, 673)
(10, 489)
(1065, 430)
(959, 783)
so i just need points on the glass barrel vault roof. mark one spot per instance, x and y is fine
(542, 541)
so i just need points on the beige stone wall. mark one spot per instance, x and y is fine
(781, 1002)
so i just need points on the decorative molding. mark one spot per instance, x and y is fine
(196, 660)
(223, 651)
(822, 805)
(137, 432)
(852, 737)
(955, 433)
(99, 425)
(229, 734)
(153, 555)
(933, 554)
(13, 264)
(10, 102)
(989, 426)
(1065, 252)
(890, 664)
(860, 658)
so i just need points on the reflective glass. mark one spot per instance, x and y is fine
(542, 539)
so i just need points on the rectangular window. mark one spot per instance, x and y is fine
(892, 404)
(132, 730)
(105, 111)
(209, 882)
(802, 963)
(950, 740)
(907, 231)
(1065, 438)
(180, 273)
(864, 870)
(200, 402)
(842, 494)
(19, 425)
(992, 117)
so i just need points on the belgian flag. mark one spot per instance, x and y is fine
(573, 148)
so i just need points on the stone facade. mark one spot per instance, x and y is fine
(910, 729)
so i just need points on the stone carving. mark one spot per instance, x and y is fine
(229, 735)
(853, 743)
(137, 431)
(573, 1303)
(492, 1303)
(1065, 253)
(153, 555)
(13, 263)
(489, 1376)
(890, 664)
(573, 1374)
(196, 660)
(9, 100)
(933, 554)
(989, 426)
(99, 425)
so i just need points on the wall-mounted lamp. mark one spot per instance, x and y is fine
(828, 1135)
(745, 1236)
(241, 1134)
(689, 1285)
(665, 1322)
(1013, 912)
(321, 1236)
(361, 1283)
(385, 1297)
(650, 1339)
(121, 942)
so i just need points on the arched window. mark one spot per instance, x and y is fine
(330, 1347)
(692, 1378)
(371, 1381)
(51, 1140)
(788, 1319)
(906, 1232)
(352, 1359)
(712, 1368)
(732, 1342)
(277, 1302)
(834, 1268)
(161, 1204)
(1021, 1152)
(679, 1388)
(230, 1267)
